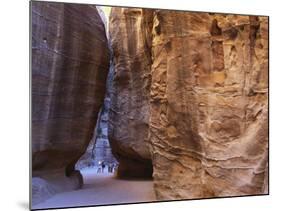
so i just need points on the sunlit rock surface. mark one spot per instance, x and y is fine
(70, 61)
(209, 95)
(199, 84)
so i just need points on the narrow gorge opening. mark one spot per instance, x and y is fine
(99, 157)
(99, 150)
(75, 98)
(155, 99)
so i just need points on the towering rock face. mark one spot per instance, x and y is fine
(70, 61)
(129, 111)
(206, 124)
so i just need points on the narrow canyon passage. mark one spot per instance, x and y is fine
(88, 186)
(99, 189)
(176, 101)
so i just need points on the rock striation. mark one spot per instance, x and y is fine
(209, 104)
(191, 95)
(70, 61)
(130, 40)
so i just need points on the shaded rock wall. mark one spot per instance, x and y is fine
(129, 111)
(205, 105)
(70, 61)
(99, 148)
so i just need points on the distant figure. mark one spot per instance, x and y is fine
(102, 166)
(99, 168)
(110, 168)
(114, 167)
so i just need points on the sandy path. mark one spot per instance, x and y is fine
(102, 189)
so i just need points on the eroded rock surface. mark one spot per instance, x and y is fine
(208, 123)
(203, 113)
(70, 61)
(129, 111)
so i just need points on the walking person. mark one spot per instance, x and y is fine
(114, 167)
(102, 166)
(109, 168)
(99, 167)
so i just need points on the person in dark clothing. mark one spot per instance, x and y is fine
(102, 166)
(114, 168)
(109, 168)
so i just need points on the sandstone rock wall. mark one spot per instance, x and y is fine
(129, 111)
(99, 148)
(70, 61)
(208, 122)
(205, 102)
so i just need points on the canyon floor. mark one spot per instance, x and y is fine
(100, 189)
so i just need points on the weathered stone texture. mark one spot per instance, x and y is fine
(203, 113)
(129, 111)
(208, 122)
(70, 61)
